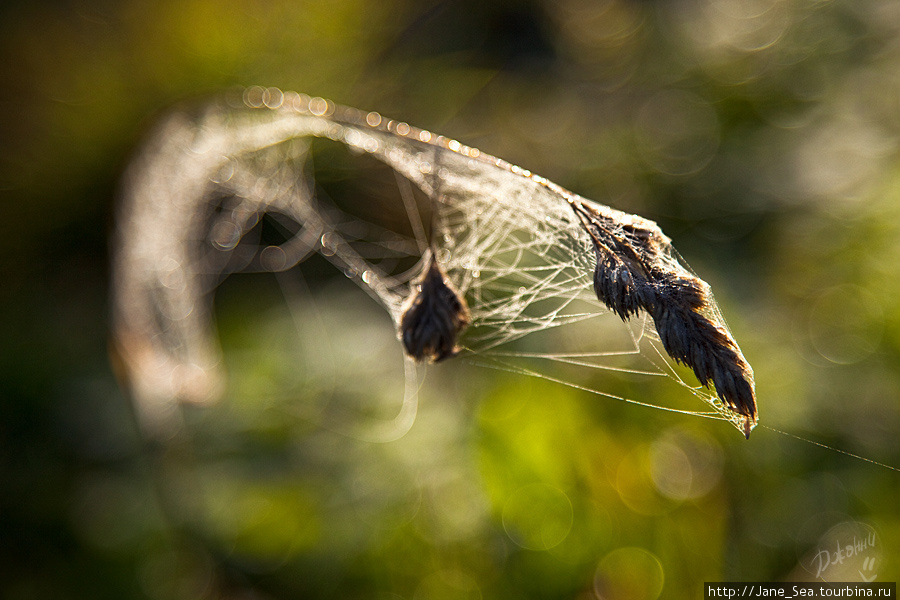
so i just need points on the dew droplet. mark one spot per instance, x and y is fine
(329, 244)
(273, 97)
(373, 119)
(253, 96)
(273, 258)
(226, 234)
(318, 106)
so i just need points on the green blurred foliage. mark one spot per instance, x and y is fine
(762, 135)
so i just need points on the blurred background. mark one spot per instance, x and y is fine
(762, 135)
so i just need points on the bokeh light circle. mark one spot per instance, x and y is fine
(537, 516)
(629, 574)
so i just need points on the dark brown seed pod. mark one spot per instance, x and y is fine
(637, 269)
(434, 317)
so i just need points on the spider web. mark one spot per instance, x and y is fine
(207, 186)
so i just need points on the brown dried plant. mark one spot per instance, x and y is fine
(163, 273)
(434, 316)
(637, 270)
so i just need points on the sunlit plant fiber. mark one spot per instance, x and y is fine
(512, 240)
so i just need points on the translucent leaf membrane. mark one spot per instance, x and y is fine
(492, 247)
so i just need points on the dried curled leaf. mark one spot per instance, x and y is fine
(434, 316)
(636, 270)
